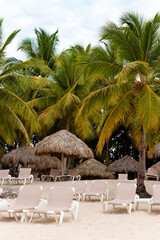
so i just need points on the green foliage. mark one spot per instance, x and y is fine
(134, 103)
(43, 47)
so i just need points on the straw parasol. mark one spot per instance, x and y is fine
(124, 164)
(93, 168)
(157, 150)
(157, 165)
(63, 144)
(24, 156)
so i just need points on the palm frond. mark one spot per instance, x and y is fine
(148, 108)
(50, 115)
(32, 63)
(134, 21)
(9, 124)
(103, 98)
(27, 115)
(42, 103)
(28, 47)
(114, 116)
(128, 45)
(132, 69)
(9, 40)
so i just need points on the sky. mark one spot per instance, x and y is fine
(77, 21)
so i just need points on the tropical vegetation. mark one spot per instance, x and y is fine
(98, 93)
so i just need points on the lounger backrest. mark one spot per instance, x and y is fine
(29, 196)
(24, 172)
(79, 186)
(4, 173)
(156, 193)
(126, 191)
(153, 171)
(73, 172)
(98, 186)
(61, 197)
(122, 176)
(54, 172)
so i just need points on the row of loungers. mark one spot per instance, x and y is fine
(151, 173)
(61, 200)
(29, 203)
(55, 175)
(25, 175)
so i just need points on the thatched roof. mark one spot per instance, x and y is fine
(124, 164)
(63, 142)
(157, 150)
(94, 168)
(24, 156)
(157, 165)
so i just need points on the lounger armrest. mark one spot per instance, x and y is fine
(136, 196)
(43, 202)
(151, 200)
(78, 177)
(42, 177)
(31, 178)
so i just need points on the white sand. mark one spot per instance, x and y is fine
(92, 223)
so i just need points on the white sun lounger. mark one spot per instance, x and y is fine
(125, 196)
(28, 198)
(60, 201)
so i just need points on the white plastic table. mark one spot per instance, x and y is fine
(141, 200)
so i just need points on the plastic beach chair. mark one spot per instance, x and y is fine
(125, 196)
(155, 200)
(24, 175)
(28, 198)
(54, 173)
(4, 176)
(98, 188)
(74, 174)
(80, 188)
(152, 173)
(60, 201)
(122, 176)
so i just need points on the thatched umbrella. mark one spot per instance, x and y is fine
(124, 164)
(157, 150)
(157, 165)
(24, 156)
(63, 144)
(93, 168)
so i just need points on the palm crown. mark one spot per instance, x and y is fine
(133, 100)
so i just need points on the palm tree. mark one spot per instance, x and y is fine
(43, 47)
(61, 95)
(99, 67)
(17, 118)
(133, 100)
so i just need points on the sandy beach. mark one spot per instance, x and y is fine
(92, 223)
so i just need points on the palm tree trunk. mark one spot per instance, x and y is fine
(107, 153)
(67, 128)
(141, 189)
(63, 164)
(133, 152)
(68, 118)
